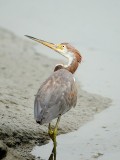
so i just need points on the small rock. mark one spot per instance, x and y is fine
(7, 106)
(97, 155)
(104, 126)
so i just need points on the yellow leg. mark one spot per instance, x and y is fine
(53, 154)
(50, 131)
(53, 132)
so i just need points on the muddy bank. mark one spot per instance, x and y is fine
(22, 71)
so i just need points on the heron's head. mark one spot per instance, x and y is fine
(64, 49)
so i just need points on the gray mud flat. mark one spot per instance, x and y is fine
(22, 71)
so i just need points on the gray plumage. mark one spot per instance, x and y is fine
(56, 96)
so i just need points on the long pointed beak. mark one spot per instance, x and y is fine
(48, 44)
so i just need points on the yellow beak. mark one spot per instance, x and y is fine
(48, 44)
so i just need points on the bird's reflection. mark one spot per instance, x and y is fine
(53, 154)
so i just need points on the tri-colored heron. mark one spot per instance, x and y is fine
(58, 94)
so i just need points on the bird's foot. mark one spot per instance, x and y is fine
(53, 133)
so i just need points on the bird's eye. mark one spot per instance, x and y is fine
(63, 46)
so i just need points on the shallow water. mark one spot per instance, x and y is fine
(95, 139)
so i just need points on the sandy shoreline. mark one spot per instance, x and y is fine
(22, 71)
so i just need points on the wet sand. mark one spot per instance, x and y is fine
(22, 71)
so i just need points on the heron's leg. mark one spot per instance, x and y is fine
(55, 131)
(58, 120)
(50, 131)
(53, 154)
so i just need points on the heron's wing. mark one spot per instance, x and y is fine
(56, 96)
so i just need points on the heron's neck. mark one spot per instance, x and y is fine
(71, 66)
